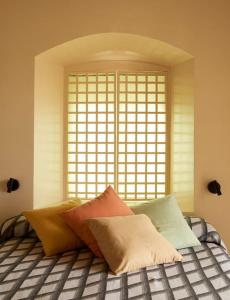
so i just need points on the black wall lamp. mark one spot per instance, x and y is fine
(12, 185)
(214, 187)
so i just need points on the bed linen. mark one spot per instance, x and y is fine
(26, 273)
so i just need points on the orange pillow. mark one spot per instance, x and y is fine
(108, 204)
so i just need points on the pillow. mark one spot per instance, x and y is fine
(132, 242)
(108, 204)
(51, 229)
(166, 215)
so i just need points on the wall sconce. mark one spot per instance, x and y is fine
(12, 185)
(214, 187)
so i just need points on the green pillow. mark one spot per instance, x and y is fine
(167, 217)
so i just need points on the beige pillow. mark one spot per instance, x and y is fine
(131, 242)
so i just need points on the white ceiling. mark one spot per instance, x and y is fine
(115, 46)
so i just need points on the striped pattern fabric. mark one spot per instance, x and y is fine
(25, 273)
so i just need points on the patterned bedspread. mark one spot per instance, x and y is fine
(25, 273)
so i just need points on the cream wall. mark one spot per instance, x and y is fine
(182, 134)
(48, 133)
(201, 28)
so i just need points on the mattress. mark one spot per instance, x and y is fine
(26, 273)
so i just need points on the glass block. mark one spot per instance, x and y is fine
(81, 88)
(91, 157)
(130, 158)
(72, 88)
(72, 97)
(131, 78)
(72, 118)
(140, 168)
(161, 117)
(101, 127)
(101, 97)
(122, 148)
(141, 178)
(131, 148)
(151, 78)
(141, 137)
(130, 188)
(141, 157)
(81, 127)
(141, 128)
(71, 188)
(101, 177)
(71, 137)
(102, 117)
(81, 78)
(102, 77)
(151, 128)
(151, 188)
(71, 147)
(92, 78)
(131, 137)
(91, 137)
(131, 118)
(151, 147)
(92, 87)
(131, 87)
(122, 87)
(71, 167)
(130, 168)
(151, 158)
(161, 97)
(151, 108)
(151, 87)
(141, 107)
(121, 168)
(81, 147)
(81, 117)
(81, 187)
(140, 188)
(151, 178)
(141, 148)
(161, 138)
(161, 178)
(161, 108)
(131, 97)
(81, 167)
(71, 127)
(160, 188)
(161, 78)
(91, 178)
(81, 178)
(151, 138)
(161, 158)
(141, 87)
(81, 157)
(141, 78)
(131, 128)
(110, 87)
(161, 87)
(72, 108)
(91, 167)
(81, 107)
(161, 128)
(110, 107)
(110, 97)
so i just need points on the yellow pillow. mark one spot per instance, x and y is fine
(51, 229)
(131, 242)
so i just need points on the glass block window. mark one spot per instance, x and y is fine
(117, 135)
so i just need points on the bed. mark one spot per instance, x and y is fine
(26, 273)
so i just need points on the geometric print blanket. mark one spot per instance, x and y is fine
(26, 273)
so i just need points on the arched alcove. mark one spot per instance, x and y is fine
(94, 50)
